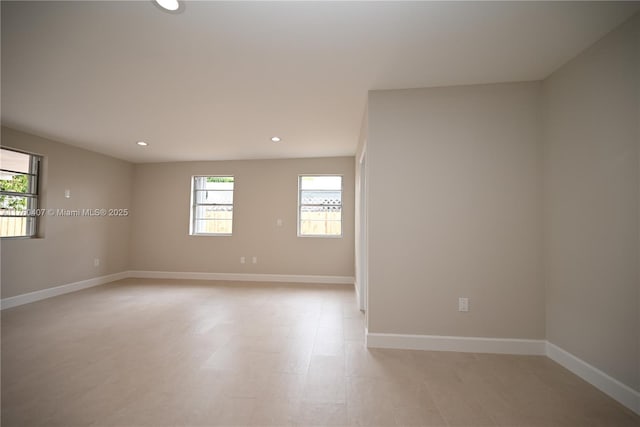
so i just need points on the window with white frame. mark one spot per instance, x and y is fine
(212, 205)
(320, 205)
(19, 180)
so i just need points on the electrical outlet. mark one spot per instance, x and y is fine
(67, 193)
(242, 260)
(463, 304)
(96, 262)
(254, 260)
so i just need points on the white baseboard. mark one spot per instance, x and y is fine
(288, 278)
(60, 290)
(614, 388)
(460, 344)
(96, 281)
(610, 386)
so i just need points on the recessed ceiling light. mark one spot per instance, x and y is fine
(275, 139)
(168, 4)
(142, 143)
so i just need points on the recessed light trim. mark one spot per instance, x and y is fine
(275, 139)
(142, 143)
(171, 5)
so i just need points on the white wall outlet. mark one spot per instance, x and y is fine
(96, 262)
(279, 222)
(254, 260)
(67, 193)
(463, 304)
(242, 260)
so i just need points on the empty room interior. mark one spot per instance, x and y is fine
(320, 213)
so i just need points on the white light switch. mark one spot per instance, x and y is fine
(279, 222)
(463, 304)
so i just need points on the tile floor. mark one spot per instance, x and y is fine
(192, 353)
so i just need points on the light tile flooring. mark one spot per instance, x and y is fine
(156, 353)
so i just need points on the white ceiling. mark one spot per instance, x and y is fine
(217, 80)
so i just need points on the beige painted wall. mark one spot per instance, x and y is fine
(454, 210)
(361, 212)
(592, 120)
(265, 190)
(67, 246)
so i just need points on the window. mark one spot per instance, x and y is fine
(18, 193)
(212, 205)
(320, 206)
